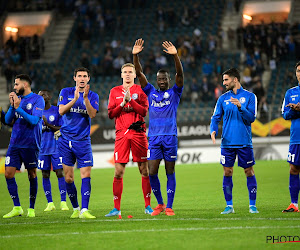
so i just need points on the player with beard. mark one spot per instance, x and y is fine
(78, 105)
(238, 108)
(163, 104)
(25, 113)
(49, 154)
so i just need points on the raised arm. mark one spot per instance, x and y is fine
(137, 48)
(171, 49)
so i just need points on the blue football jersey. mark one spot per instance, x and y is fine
(49, 144)
(236, 123)
(25, 135)
(77, 123)
(292, 96)
(163, 110)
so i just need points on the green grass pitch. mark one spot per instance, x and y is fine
(197, 224)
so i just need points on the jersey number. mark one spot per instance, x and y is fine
(41, 164)
(291, 157)
(222, 159)
(7, 160)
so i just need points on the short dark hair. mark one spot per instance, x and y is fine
(24, 77)
(297, 64)
(163, 71)
(81, 69)
(232, 72)
(46, 90)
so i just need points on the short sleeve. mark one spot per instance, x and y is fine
(95, 101)
(62, 98)
(148, 89)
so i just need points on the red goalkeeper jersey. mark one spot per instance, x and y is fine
(133, 111)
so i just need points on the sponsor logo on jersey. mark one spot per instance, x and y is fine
(70, 98)
(61, 98)
(51, 118)
(78, 110)
(242, 100)
(135, 96)
(160, 104)
(119, 97)
(37, 108)
(166, 95)
(29, 106)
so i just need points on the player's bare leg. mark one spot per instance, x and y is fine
(71, 190)
(294, 186)
(146, 187)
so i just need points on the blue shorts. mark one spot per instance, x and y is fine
(16, 156)
(70, 151)
(294, 154)
(46, 160)
(163, 147)
(245, 157)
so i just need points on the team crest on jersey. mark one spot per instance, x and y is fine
(61, 98)
(166, 95)
(29, 106)
(51, 118)
(242, 100)
(135, 96)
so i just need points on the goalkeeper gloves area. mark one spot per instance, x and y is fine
(57, 134)
(137, 126)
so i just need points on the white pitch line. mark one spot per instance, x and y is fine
(152, 219)
(146, 231)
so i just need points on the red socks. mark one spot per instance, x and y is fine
(117, 191)
(146, 190)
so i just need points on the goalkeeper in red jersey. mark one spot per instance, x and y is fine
(128, 105)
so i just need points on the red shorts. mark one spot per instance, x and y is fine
(136, 141)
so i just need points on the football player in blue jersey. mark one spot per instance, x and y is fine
(49, 153)
(78, 105)
(163, 104)
(291, 111)
(25, 113)
(238, 108)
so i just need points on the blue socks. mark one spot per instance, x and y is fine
(85, 192)
(227, 189)
(155, 185)
(47, 189)
(171, 186)
(72, 192)
(62, 188)
(33, 191)
(13, 191)
(294, 188)
(252, 189)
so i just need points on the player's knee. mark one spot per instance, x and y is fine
(59, 173)
(249, 172)
(228, 171)
(69, 179)
(31, 174)
(8, 175)
(46, 174)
